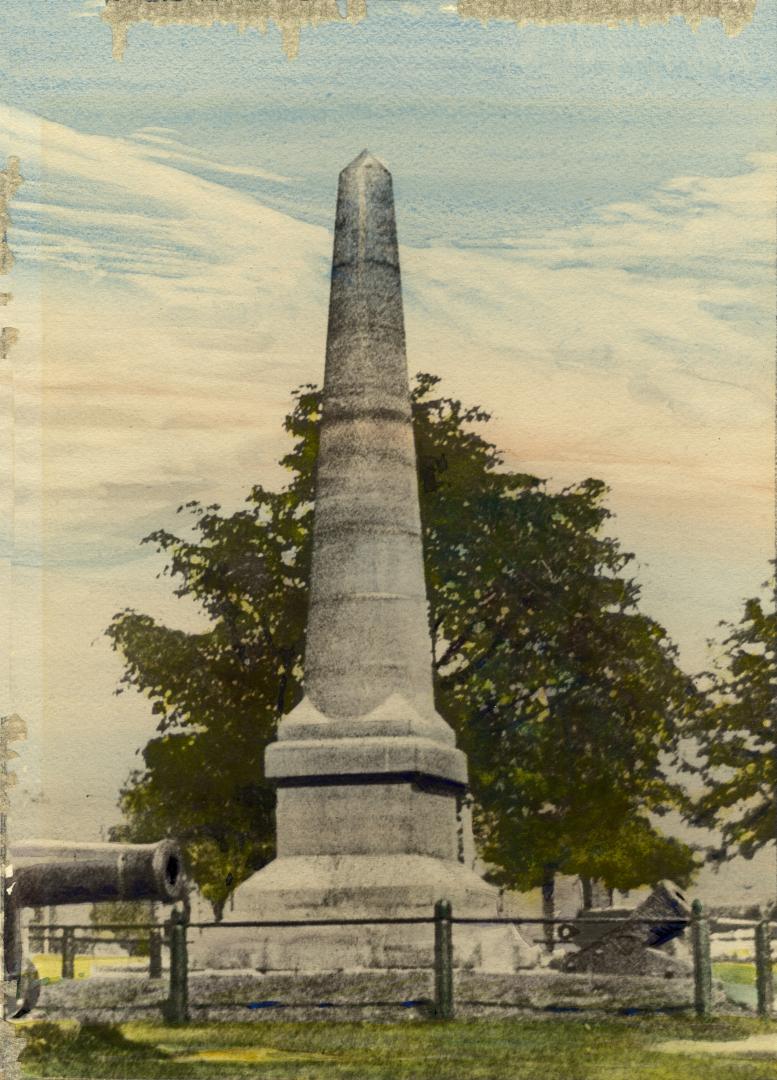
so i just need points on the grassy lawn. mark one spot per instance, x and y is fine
(735, 971)
(509, 1049)
(738, 978)
(49, 965)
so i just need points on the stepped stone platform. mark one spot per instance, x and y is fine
(369, 995)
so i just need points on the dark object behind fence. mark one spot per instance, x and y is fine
(630, 945)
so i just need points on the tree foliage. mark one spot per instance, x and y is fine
(112, 913)
(564, 696)
(567, 700)
(735, 733)
(219, 694)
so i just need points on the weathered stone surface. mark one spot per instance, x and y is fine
(370, 819)
(414, 820)
(364, 886)
(375, 995)
(367, 634)
(393, 717)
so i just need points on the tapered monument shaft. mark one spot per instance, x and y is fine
(368, 659)
(368, 633)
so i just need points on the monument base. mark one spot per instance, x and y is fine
(322, 887)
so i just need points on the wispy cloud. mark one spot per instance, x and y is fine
(167, 149)
(150, 135)
(155, 128)
(179, 313)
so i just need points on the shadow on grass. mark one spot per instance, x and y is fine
(63, 1049)
(554, 1048)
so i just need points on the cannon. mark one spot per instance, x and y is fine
(632, 946)
(50, 872)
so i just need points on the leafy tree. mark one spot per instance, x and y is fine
(566, 699)
(219, 694)
(563, 695)
(114, 912)
(735, 732)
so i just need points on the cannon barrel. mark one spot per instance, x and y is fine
(60, 872)
(630, 942)
(665, 902)
(51, 872)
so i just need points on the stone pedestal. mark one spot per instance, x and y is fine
(323, 887)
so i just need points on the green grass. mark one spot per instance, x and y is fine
(735, 971)
(511, 1049)
(49, 965)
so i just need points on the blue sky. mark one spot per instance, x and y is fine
(587, 227)
(490, 130)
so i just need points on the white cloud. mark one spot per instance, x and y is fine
(168, 149)
(166, 308)
(148, 135)
(183, 311)
(655, 327)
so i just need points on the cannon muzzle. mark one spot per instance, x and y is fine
(49, 872)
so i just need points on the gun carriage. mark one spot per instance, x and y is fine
(48, 872)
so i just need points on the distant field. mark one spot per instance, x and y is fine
(49, 965)
(738, 979)
(511, 1049)
(735, 971)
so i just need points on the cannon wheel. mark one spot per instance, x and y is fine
(22, 992)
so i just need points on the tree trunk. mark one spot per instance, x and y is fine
(588, 893)
(549, 905)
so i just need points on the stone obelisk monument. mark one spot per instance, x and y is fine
(369, 779)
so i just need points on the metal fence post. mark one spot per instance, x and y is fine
(702, 960)
(443, 960)
(177, 1006)
(763, 969)
(68, 954)
(154, 955)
